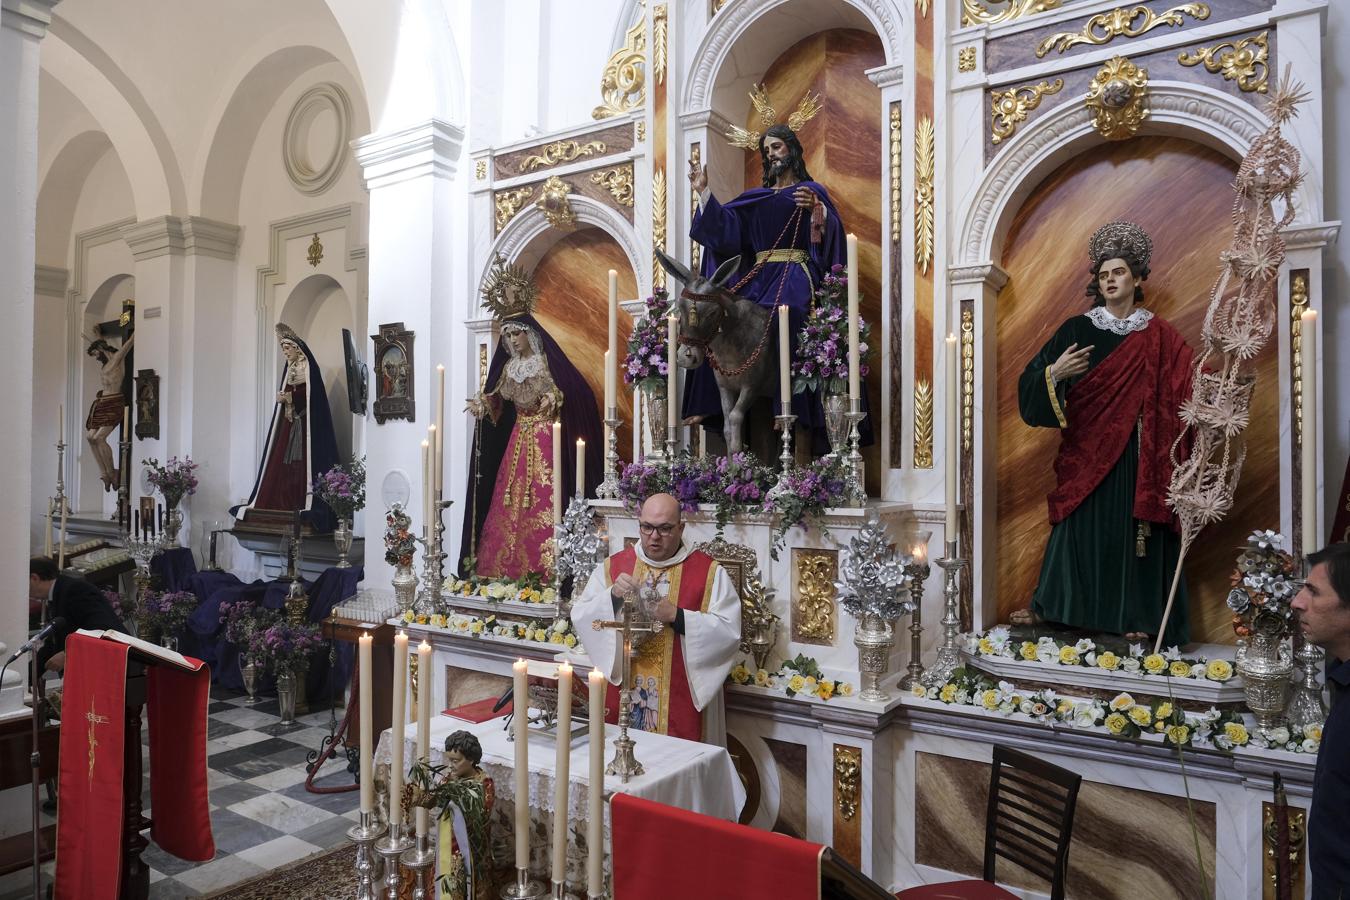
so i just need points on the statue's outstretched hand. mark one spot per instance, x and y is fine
(476, 406)
(1071, 362)
(698, 177)
(804, 197)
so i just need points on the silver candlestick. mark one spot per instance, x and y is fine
(609, 488)
(855, 416)
(785, 420)
(672, 440)
(433, 561)
(419, 859)
(1306, 706)
(918, 573)
(949, 655)
(364, 834)
(391, 848)
(524, 888)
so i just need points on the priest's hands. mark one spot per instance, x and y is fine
(1071, 362)
(624, 586)
(664, 611)
(698, 177)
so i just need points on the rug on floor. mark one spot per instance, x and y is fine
(323, 876)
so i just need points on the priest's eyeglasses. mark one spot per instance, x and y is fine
(649, 529)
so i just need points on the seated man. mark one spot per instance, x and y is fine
(693, 595)
(77, 601)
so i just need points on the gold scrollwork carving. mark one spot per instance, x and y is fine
(965, 59)
(967, 378)
(482, 365)
(922, 7)
(847, 780)
(413, 682)
(717, 6)
(1008, 108)
(1243, 61)
(560, 152)
(659, 43)
(314, 253)
(813, 613)
(623, 85)
(480, 169)
(1106, 27)
(658, 225)
(553, 203)
(925, 154)
(1298, 302)
(1298, 834)
(695, 248)
(923, 424)
(973, 12)
(1118, 99)
(897, 141)
(619, 182)
(508, 203)
(642, 131)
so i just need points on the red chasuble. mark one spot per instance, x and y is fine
(1142, 383)
(661, 697)
(89, 823)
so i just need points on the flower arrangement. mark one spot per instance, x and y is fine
(285, 647)
(998, 642)
(114, 599)
(812, 489)
(821, 359)
(167, 611)
(174, 479)
(1263, 586)
(645, 364)
(797, 677)
(343, 488)
(398, 540)
(242, 618)
(528, 589)
(559, 631)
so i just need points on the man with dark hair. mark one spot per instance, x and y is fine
(1323, 608)
(77, 601)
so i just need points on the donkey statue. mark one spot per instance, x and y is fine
(731, 332)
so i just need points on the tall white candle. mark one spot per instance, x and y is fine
(784, 366)
(952, 429)
(439, 456)
(426, 486)
(1308, 467)
(580, 488)
(557, 473)
(672, 383)
(423, 720)
(595, 798)
(398, 714)
(61, 424)
(610, 381)
(560, 783)
(637, 424)
(612, 346)
(47, 536)
(854, 382)
(363, 678)
(520, 713)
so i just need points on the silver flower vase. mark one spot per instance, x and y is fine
(874, 639)
(836, 422)
(405, 587)
(249, 670)
(286, 696)
(655, 417)
(173, 523)
(342, 539)
(1266, 666)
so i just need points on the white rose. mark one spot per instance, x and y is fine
(1091, 659)
(1084, 645)
(932, 693)
(1130, 665)
(1279, 735)
(1047, 653)
(1309, 745)
(1198, 670)
(1025, 707)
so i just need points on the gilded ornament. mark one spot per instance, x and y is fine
(965, 59)
(508, 203)
(923, 424)
(641, 131)
(925, 154)
(482, 366)
(1106, 27)
(1008, 108)
(973, 12)
(1242, 61)
(847, 780)
(659, 43)
(658, 225)
(619, 182)
(1118, 99)
(1298, 302)
(695, 248)
(1298, 835)
(717, 6)
(480, 169)
(553, 203)
(314, 254)
(967, 379)
(560, 152)
(807, 109)
(922, 7)
(897, 141)
(813, 608)
(623, 83)
(508, 292)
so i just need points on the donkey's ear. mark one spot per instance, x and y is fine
(725, 271)
(674, 267)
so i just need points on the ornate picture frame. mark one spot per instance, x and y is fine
(394, 374)
(146, 400)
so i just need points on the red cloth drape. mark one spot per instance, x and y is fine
(653, 845)
(177, 700)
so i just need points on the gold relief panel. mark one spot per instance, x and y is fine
(965, 59)
(560, 152)
(658, 225)
(618, 181)
(1243, 62)
(925, 153)
(897, 141)
(553, 203)
(974, 12)
(695, 248)
(1118, 99)
(1298, 302)
(967, 378)
(659, 44)
(314, 253)
(1298, 836)
(623, 83)
(508, 203)
(480, 169)
(923, 424)
(813, 606)
(846, 833)
(1009, 108)
(1107, 26)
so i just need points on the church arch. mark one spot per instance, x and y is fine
(59, 193)
(318, 308)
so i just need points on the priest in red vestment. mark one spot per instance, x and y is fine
(677, 675)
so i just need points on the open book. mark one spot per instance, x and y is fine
(149, 649)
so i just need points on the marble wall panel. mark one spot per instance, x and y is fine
(616, 138)
(790, 759)
(1180, 193)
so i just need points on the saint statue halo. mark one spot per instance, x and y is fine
(807, 109)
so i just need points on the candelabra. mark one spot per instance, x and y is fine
(419, 859)
(609, 488)
(918, 573)
(672, 439)
(855, 416)
(364, 834)
(524, 888)
(142, 548)
(949, 655)
(433, 561)
(391, 848)
(1306, 706)
(785, 420)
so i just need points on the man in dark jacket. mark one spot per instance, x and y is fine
(77, 601)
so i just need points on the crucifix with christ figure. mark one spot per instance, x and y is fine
(625, 763)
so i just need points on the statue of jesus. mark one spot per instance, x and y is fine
(105, 413)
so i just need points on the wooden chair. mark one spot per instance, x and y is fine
(1029, 822)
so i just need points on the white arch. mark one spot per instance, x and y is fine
(1177, 109)
(888, 19)
(519, 241)
(59, 192)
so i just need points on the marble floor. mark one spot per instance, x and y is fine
(261, 814)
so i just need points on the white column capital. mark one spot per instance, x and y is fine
(50, 281)
(990, 275)
(28, 17)
(1310, 235)
(705, 118)
(427, 148)
(886, 76)
(172, 235)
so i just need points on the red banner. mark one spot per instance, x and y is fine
(176, 702)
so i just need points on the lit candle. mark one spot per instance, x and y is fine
(557, 473)
(784, 369)
(580, 487)
(854, 384)
(560, 783)
(672, 385)
(953, 447)
(439, 456)
(612, 347)
(1308, 467)
(363, 678)
(520, 713)
(595, 797)
(398, 714)
(423, 720)
(610, 382)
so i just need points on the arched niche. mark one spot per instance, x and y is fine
(318, 309)
(105, 305)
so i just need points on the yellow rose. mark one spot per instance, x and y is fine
(844, 689)
(570, 640)
(762, 677)
(825, 690)
(796, 683)
(1314, 732)
(1154, 663)
(1164, 710)
(1179, 669)
(462, 625)
(1116, 723)
(1108, 660)
(1219, 670)
(1121, 702)
(555, 638)
(948, 693)
(918, 691)
(740, 674)
(1178, 734)
(478, 627)
(1159, 726)
(1237, 733)
(1064, 707)
(810, 682)
(989, 699)
(986, 647)
(1068, 655)
(1028, 651)
(421, 620)
(1141, 716)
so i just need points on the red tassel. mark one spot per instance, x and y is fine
(817, 222)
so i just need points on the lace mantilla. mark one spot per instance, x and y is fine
(1135, 321)
(522, 367)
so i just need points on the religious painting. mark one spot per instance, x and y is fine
(147, 405)
(394, 373)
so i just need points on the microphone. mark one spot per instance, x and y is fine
(37, 639)
(505, 698)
